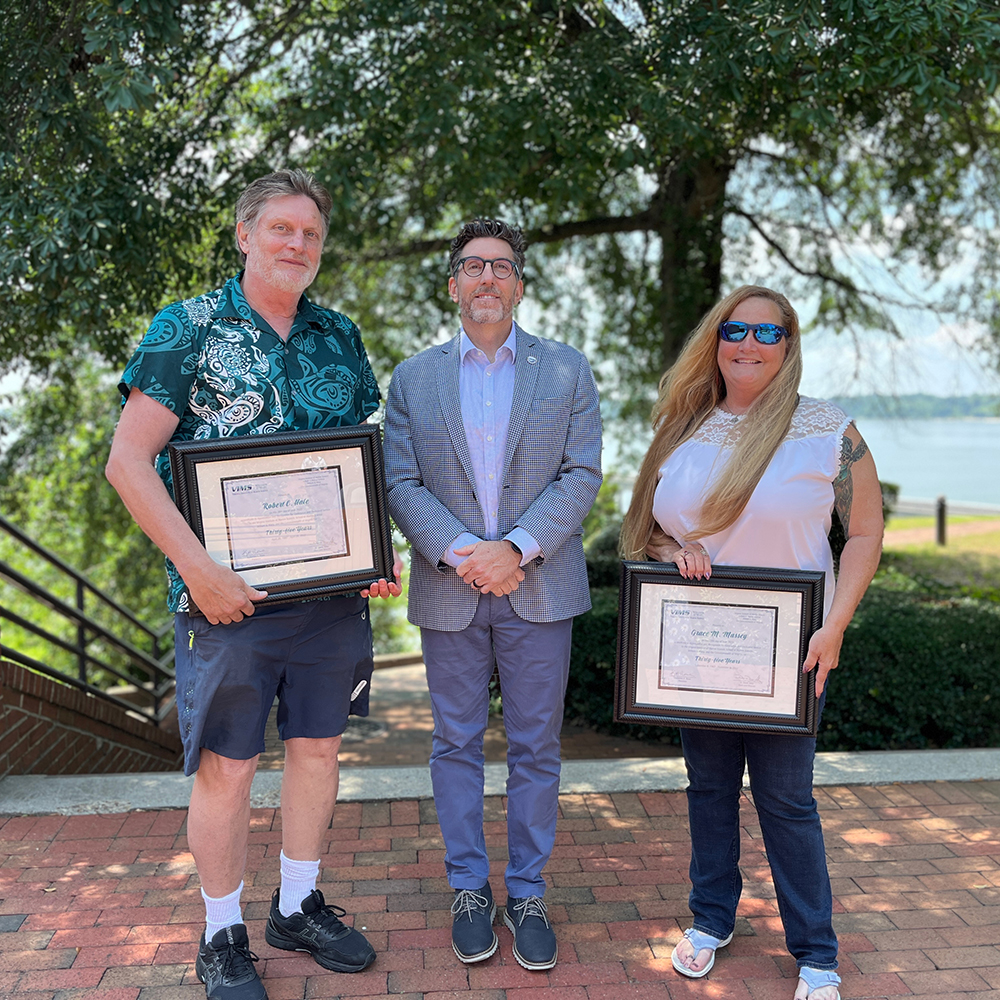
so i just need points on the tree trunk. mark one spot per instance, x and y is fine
(689, 209)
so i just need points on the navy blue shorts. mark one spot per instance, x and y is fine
(315, 656)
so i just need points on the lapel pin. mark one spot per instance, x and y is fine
(532, 359)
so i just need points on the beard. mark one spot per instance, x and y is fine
(482, 313)
(281, 277)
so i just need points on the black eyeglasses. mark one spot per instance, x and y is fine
(474, 266)
(764, 333)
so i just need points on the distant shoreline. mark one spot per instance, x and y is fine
(956, 456)
(921, 416)
(920, 406)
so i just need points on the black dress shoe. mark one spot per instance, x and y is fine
(472, 934)
(534, 939)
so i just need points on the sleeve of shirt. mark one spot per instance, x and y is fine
(451, 557)
(530, 549)
(164, 364)
(431, 528)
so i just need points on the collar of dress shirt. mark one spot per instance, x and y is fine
(466, 345)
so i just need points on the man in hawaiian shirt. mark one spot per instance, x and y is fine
(254, 357)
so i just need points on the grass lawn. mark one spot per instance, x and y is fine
(898, 522)
(966, 561)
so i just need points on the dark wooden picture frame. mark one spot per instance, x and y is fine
(338, 469)
(662, 676)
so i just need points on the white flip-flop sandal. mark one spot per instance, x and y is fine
(699, 942)
(811, 980)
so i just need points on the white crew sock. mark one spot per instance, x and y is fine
(298, 879)
(222, 912)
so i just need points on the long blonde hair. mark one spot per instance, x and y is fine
(689, 391)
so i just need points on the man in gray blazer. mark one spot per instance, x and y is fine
(492, 453)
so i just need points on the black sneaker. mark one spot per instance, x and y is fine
(472, 934)
(319, 931)
(534, 939)
(226, 966)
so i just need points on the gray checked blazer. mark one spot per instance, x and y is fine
(551, 475)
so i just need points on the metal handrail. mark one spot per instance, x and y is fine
(7, 653)
(79, 578)
(959, 508)
(69, 647)
(153, 665)
(28, 586)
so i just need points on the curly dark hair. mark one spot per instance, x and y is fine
(491, 229)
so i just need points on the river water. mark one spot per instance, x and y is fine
(956, 458)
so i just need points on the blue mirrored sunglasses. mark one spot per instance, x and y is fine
(765, 333)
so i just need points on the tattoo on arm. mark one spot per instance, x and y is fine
(843, 485)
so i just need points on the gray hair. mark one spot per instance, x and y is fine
(252, 201)
(489, 229)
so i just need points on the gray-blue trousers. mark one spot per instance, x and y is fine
(533, 659)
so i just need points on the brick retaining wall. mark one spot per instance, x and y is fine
(52, 728)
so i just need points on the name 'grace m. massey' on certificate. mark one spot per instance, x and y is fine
(285, 517)
(718, 648)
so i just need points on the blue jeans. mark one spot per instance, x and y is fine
(780, 769)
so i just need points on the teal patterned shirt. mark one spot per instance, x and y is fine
(220, 367)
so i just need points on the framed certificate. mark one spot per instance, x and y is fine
(300, 514)
(721, 653)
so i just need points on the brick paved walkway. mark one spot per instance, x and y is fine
(108, 908)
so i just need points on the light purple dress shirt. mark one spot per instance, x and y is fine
(486, 392)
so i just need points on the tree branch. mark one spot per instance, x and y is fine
(832, 278)
(550, 233)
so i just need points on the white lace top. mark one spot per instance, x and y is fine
(786, 522)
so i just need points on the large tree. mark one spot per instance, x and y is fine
(643, 144)
(120, 123)
(824, 133)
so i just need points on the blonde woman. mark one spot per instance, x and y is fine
(744, 471)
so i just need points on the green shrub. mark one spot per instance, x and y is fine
(604, 566)
(590, 695)
(916, 671)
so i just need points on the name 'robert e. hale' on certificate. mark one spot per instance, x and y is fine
(286, 517)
